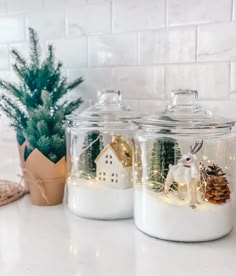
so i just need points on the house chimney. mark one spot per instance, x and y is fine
(116, 138)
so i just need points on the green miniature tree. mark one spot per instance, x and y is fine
(165, 152)
(91, 149)
(36, 106)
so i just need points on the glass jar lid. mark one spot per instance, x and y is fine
(184, 112)
(109, 108)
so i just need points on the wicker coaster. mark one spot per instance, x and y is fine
(10, 191)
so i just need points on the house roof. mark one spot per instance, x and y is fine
(121, 150)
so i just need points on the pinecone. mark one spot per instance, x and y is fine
(217, 189)
(215, 170)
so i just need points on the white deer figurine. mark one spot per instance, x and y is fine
(186, 172)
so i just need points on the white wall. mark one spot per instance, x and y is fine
(143, 47)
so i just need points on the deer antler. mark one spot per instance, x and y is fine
(193, 148)
(196, 147)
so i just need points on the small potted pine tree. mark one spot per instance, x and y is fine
(37, 108)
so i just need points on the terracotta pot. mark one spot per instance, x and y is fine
(45, 179)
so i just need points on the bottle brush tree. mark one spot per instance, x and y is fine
(91, 149)
(36, 105)
(165, 152)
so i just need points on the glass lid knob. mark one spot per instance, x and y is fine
(183, 98)
(109, 97)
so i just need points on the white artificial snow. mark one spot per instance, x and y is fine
(156, 216)
(88, 199)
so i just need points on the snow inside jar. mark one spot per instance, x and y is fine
(184, 162)
(99, 158)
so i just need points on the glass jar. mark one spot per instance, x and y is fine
(183, 172)
(99, 158)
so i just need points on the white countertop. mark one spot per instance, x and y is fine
(49, 241)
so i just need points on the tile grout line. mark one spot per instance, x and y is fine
(170, 28)
(232, 11)
(5, 7)
(196, 45)
(26, 23)
(229, 85)
(161, 64)
(166, 14)
(66, 23)
(8, 57)
(112, 17)
(89, 53)
(165, 83)
(138, 48)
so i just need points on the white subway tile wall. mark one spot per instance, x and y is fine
(12, 28)
(217, 42)
(111, 50)
(72, 52)
(211, 80)
(95, 77)
(140, 81)
(89, 19)
(24, 5)
(49, 23)
(168, 46)
(4, 59)
(136, 15)
(183, 12)
(145, 48)
(3, 7)
(63, 3)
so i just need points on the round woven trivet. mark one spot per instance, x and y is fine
(10, 191)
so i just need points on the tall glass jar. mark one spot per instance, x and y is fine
(183, 163)
(99, 158)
